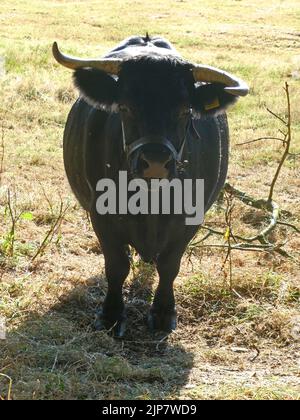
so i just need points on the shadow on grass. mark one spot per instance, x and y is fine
(59, 355)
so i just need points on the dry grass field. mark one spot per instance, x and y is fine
(238, 335)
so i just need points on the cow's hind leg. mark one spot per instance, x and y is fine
(162, 314)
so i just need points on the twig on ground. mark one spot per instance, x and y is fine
(279, 222)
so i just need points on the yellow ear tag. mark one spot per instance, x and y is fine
(212, 105)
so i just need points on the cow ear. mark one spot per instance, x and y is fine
(211, 99)
(97, 87)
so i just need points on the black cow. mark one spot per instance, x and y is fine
(145, 110)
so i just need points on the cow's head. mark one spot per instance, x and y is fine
(155, 94)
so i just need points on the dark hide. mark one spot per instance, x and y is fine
(155, 93)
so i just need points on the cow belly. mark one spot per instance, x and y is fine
(149, 235)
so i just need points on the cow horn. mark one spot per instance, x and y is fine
(234, 86)
(111, 66)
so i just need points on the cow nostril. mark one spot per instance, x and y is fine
(154, 168)
(147, 163)
(144, 164)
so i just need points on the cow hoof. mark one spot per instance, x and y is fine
(159, 321)
(117, 327)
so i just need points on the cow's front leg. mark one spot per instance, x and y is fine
(162, 314)
(117, 266)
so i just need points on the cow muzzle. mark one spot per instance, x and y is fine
(153, 169)
(152, 158)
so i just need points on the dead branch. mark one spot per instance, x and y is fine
(285, 140)
(271, 208)
(229, 235)
(239, 247)
(261, 138)
(277, 116)
(259, 204)
(279, 222)
(246, 243)
(261, 235)
(288, 136)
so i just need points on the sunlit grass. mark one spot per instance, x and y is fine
(51, 350)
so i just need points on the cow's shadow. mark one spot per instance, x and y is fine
(67, 329)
